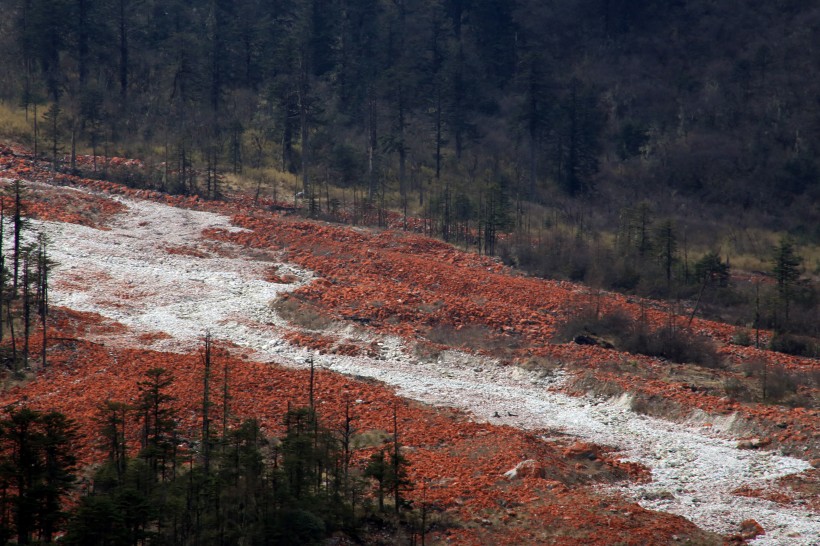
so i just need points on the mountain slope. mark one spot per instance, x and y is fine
(151, 277)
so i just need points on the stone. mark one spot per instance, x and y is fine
(526, 469)
(754, 443)
(750, 529)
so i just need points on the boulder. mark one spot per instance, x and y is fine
(750, 529)
(526, 469)
(582, 450)
(589, 339)
(754, 443)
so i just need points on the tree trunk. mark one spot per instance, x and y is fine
(303, 120)
(123, 50)
(371, 146)
(17, 225)
(26, 311)
(206, 406)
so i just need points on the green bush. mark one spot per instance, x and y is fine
(299, 527)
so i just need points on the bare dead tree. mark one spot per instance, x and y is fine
(206, 403)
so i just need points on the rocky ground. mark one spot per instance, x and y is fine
(149, 275)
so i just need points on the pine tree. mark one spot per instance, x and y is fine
(667, 244)
(786, 270)
(112, 420)
(44, 265)
(158, 418)
(37, 464)
(19, 223)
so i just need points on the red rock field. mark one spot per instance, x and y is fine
(512, 436)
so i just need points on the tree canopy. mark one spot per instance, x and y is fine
(396, 96)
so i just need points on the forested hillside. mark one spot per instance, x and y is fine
(621, 143)
(694, 98)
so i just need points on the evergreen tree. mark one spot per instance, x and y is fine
(37, 465)
(112, 419)
(579, 139)
(666, 243)
(19, 223)
(158, 419)
(786, 270)
(712, 270)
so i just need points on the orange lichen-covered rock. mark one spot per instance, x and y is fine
(750, 529)
(582, 450)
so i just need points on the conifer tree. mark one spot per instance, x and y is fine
(786, 270)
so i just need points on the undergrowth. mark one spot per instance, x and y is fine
(301, 313)
(620, 331)
(13, 124)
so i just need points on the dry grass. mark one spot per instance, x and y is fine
(751, 250)
(269, 182)
(370, 438)
(13, 124)
(540, 363)
(301, 314)
(475, 337)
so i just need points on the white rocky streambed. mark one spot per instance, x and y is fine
(127, 274)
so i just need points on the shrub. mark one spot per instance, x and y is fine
(558, 255)
(471, 336)
(777, 382)
(625, 334)
(610, 326)
(300, 527)
(133, 176)
(795, 345)
(625, 278)
(301, 313)
(754, 367)
(675, 345)
(735, 388)
(742, 337)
